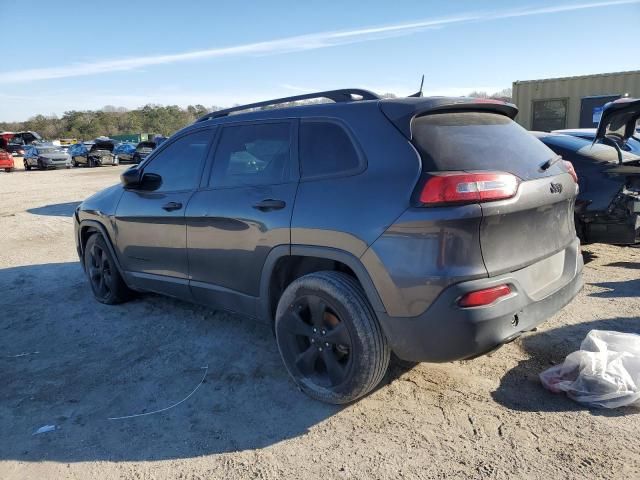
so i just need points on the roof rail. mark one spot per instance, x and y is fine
(342, 95)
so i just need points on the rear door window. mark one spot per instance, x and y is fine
(326, 149)
(480, 141)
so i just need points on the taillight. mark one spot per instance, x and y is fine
(461, 187)
(483, 297)
(570, 170)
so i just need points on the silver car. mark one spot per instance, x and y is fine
(45, 156)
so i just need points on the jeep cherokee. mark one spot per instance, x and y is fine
(435, 229)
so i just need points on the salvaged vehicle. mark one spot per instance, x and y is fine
(44, 156)
(631, 144)
(6, 160)
(434, 228)
(26, 138)
(15, 149)
(93, 154)
(137, 153)
(608, 206)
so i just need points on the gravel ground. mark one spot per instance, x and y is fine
(68, 361)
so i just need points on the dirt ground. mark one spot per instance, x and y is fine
(68, 361)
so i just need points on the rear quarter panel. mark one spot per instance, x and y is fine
(348, 213)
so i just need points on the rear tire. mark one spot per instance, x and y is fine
(8, 170)
(107, 285)
(329, 337)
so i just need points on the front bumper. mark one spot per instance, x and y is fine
(446, 332)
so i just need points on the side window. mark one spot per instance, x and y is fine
(255, 154)
(326, 149)
(180, 163)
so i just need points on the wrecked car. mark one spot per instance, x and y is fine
(608, 205)
(93, 154)
(135, 154)
(630, 145)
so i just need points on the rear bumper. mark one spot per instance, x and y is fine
(446, 332)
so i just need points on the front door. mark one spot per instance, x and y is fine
(242, 212)
(150, 224)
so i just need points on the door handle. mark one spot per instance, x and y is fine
(270, 204)
(172, 206)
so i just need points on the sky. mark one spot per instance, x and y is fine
(72, 55)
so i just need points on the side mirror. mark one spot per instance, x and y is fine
(150, 181)
(130, 178)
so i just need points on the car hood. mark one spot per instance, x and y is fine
(619, 119)
(54, 155)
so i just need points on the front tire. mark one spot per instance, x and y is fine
(106, 283)
(27, 167)
(329, 337)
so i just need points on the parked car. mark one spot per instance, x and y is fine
(6, 160)
(15, 149)
(93, 154)
(631, 144)
(44, 156)
(136, 154)
(434, 228)
(608, 206)
(26, 138)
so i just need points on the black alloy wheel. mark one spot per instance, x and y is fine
(100, 270)
(316, 340)
(329, 337)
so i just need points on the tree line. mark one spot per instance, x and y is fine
(154, 119)
(88, 124)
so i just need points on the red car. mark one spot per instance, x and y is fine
(6, 160)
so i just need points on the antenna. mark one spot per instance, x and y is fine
(419, 92)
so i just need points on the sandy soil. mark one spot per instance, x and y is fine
(66, 360)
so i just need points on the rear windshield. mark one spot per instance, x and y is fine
(480, 141)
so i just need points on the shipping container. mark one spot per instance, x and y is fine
(570, 102)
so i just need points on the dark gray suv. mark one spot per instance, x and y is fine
(435, 229)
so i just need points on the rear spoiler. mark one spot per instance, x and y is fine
(401, 111)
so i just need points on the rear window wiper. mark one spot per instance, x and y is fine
(552, 161)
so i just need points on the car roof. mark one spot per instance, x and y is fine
(399, 110)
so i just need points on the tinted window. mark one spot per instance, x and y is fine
(179, 164)
(252, 155)
(325, 148)
(549, 115)
(479, 141)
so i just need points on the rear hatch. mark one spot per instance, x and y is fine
(619, 119)
(534, 223)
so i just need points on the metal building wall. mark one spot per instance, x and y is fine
(573, 89)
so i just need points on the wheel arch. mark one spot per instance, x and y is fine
(89, 227)
(283, 254)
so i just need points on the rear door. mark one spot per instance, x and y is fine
(151, 232)
(242, 211)
(538, 221)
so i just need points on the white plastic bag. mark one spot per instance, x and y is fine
(605, 372)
